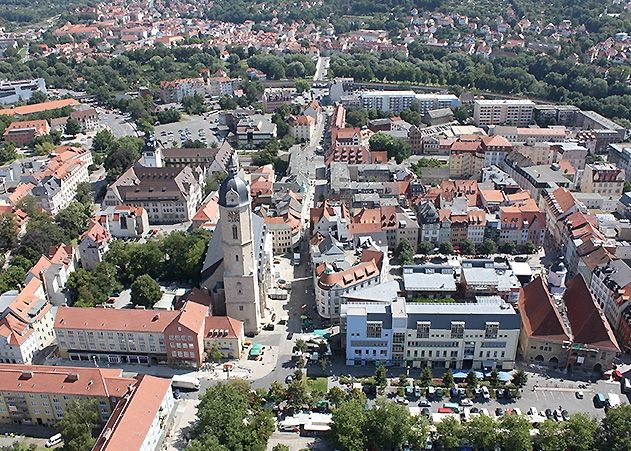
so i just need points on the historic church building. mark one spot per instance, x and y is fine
(238, 258)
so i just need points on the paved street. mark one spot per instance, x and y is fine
(116, 123)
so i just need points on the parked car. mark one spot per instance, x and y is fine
(289, 379)
(269, 326)
(424, 403)
(499, 412)
(425, 411)
(533, 411)
(565, 414)
(290, 335)
(580, 394)
(176, 393)
(549, 413)
(466, 402)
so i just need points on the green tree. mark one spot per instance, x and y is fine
(426, 377)
(348, 426)
(301, 345)
(481, 433)
(145, 291)
(41, 234)
(445, 248)
(425, 248)
(280, 447)
(448, 379)
(471, 379)
(494, 378)
(222, 413)
(468, 247)
(8, 232)
(73, 219)
(186, 252)
(357, 118)
(508, 247)
(276, 392)
(336, 396)
(404, 253)
(615, 434)
(72, 128)
(528, 248)
(396, 148)
(390, 426)
(381, 375)
(194, 104)
(8, 153)
(103, 141)
(44, 148)
(450, 433)
(551, 436)
(214, 353)
(517, 435)
(169, 116)
(581, 432)
(520, 378)
(302, 85)
(297, 393)
(80, 418)
(487, 247)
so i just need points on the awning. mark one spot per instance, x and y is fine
(460, 375)
(255, 351)
(504, 376)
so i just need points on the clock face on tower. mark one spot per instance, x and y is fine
(233, 216)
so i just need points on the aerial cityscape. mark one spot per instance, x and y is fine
(315, 225)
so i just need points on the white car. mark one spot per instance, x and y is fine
(466, 402)
(533, 411)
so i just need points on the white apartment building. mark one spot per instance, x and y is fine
(397, 101)
(141, 418)
(332, 282)
(610, 285)
(518, 113)
(176, 90)
(56, 183)
(605, 179)
(480, 335)
(620, 155)
(301, 128)
(94, 244)
(20, 90)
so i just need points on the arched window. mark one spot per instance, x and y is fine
(236, 257)
(235, 233)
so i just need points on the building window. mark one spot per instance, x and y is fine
(457, 329)
(491, 330)
(422, 329)
(235, 233)
(373, 329)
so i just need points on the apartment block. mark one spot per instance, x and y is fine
(397, 101)
(518, 113)
(40, 395)
(481, 334)
(174, 91)
(20, 90)
(276, 97)
(23, 133)
(620, 155)
(603, 178)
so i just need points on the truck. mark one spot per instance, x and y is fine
(613, 400)
(296, 260)
(185, 382)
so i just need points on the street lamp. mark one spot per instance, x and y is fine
(96, 365)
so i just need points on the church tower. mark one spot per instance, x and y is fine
(241, 285)
(151, 153)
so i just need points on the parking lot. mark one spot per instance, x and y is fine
(191, 128)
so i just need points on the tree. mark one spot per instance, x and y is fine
(390, 426)
(168, 116)
(222, 413)
(396, 148)
(468, 247)
(301, 345)
(297, 393)
(80, 417)
(336, 396)
(357, 118)
(581, 432)
(302, 85)
(73, 219)
(41, 234)
(214, 354)
(404, 253)
(280, 447)
(487, 247)
(426, 377)
(72, 128)
(44, 148)
(212, 183)
(445, 248)
(481, 433)
(520, 378)
(145, 291)
(615, 434)
(381, 375)
(494, 378)
(450, 433)
(425, 248)
(8, 153)
(551, 436)
(276, 392)
(517, 435)
(528, 248)
(89, 288)
(348, 426)
(8, 232)
(227, 103)
(194, 104)
(508, 247)
(103, 141)
(471, 379)
(448, 379)
(184, 254)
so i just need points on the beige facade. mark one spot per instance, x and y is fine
(604, 179)
(503, 112)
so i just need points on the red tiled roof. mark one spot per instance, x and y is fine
(539, 315)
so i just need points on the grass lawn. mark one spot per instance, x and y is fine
(317, 384)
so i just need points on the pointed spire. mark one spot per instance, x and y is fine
(233, 165)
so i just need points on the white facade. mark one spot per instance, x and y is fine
(503, 112)
(158, 425)
(397, 101)
(462, 335)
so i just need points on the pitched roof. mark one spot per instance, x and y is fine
(539, 315)
(38, 107)
(222, 326)
(588, 322)
(114, 319)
